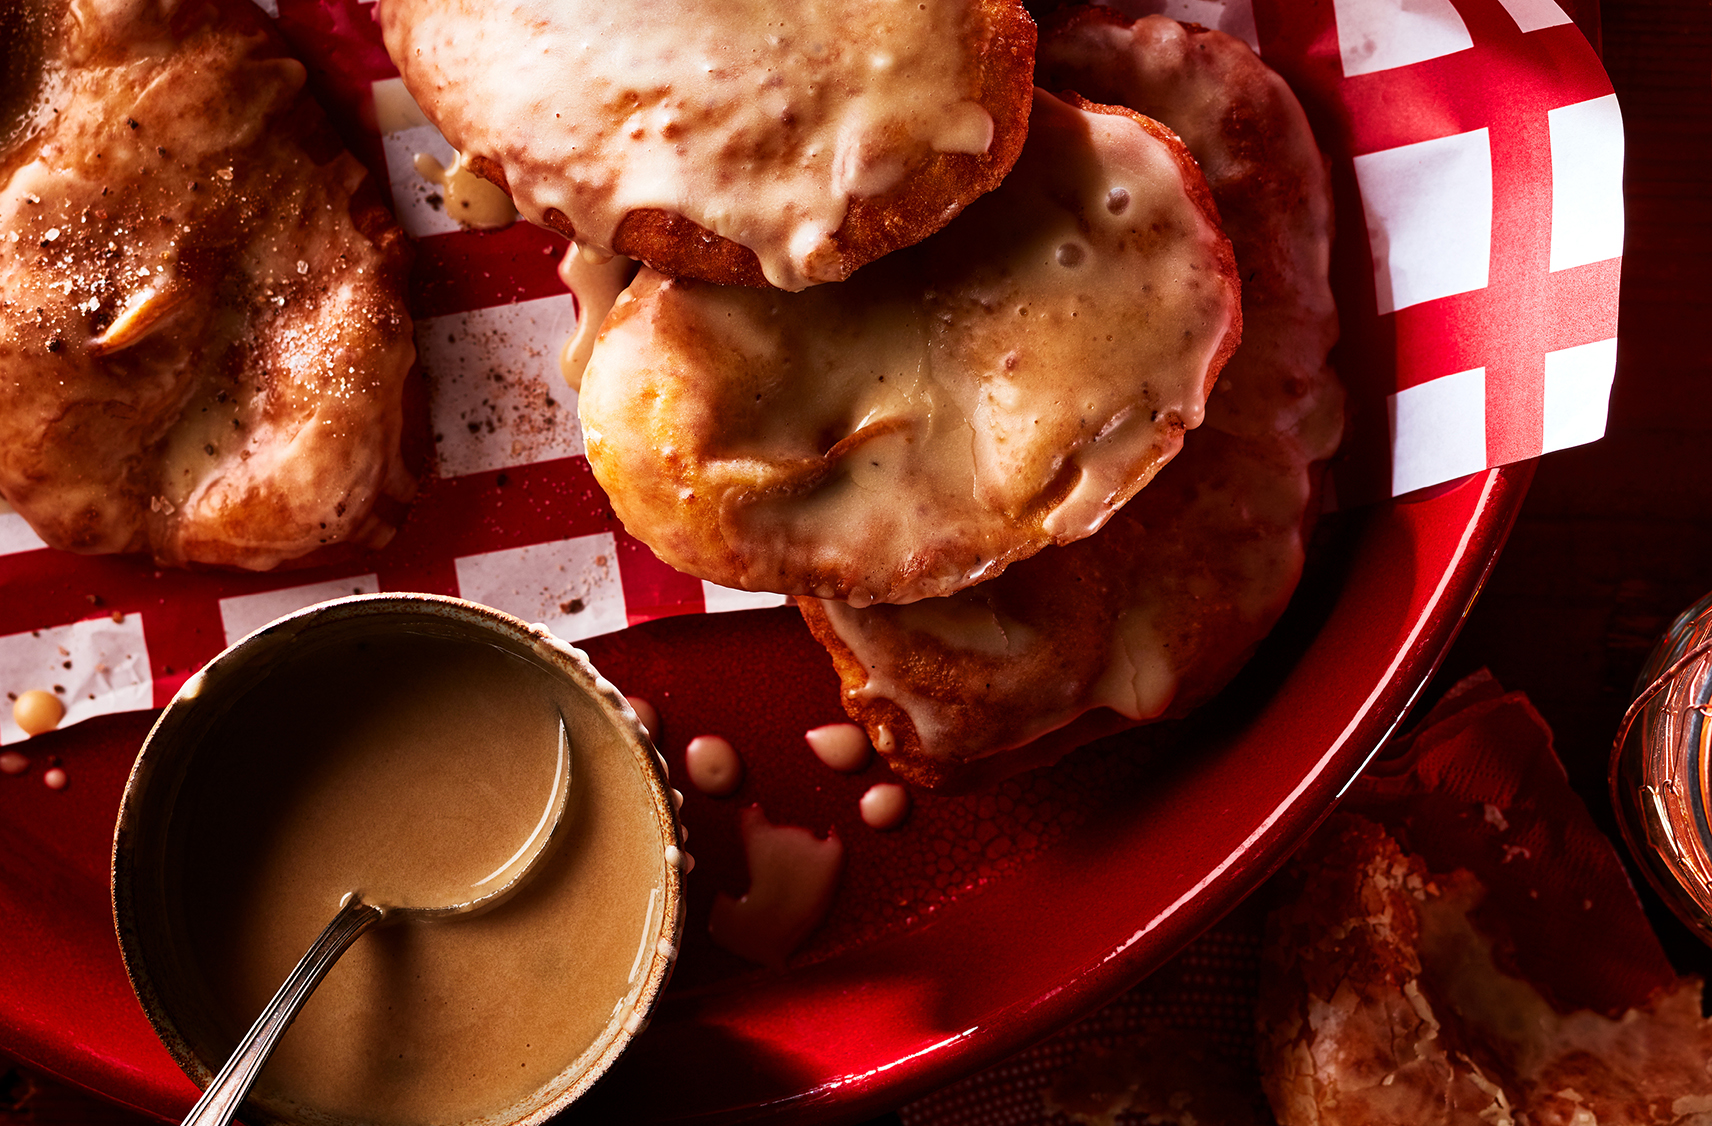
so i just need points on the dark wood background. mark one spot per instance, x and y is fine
(1615, 538)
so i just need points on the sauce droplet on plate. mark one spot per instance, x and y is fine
(885, 806)
(792, 878)
(471, 200)
(37, 711)
(842, 746)
(715, 767)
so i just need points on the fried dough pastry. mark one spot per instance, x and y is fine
(203, 338)
(747, 142)
(1381, 1005)
(1153, 615)
(1007, 384)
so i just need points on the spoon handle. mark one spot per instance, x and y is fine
(220, 1101)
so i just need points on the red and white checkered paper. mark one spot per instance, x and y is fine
(1476, 150)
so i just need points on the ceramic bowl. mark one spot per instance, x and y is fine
(147, 852)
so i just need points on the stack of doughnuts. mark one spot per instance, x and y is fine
(1021, 391)
(1155, 614)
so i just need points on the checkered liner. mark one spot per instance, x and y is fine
(1477, 143)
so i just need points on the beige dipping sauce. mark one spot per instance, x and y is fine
(411, 768)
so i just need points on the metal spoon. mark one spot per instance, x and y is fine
(219, 1103)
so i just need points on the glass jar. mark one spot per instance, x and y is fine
(1661, 768)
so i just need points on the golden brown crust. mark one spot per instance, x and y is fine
(1349, 939)
(1185, 549)
(979, 696)
(678, 247)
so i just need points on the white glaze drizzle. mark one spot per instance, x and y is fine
(962, 622)
(596, 279)
(757, 119)
(1277, 401)
(469, 199)
(948, 410)
(885, 806)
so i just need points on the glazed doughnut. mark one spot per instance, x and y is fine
(203, 337)
(1156, 612)
(1007, 384)
(1253, 142)
(771, 141)
(1383, 1004)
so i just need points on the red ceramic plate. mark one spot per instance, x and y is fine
(986, 922)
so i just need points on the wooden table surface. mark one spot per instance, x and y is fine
(1615, 538)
